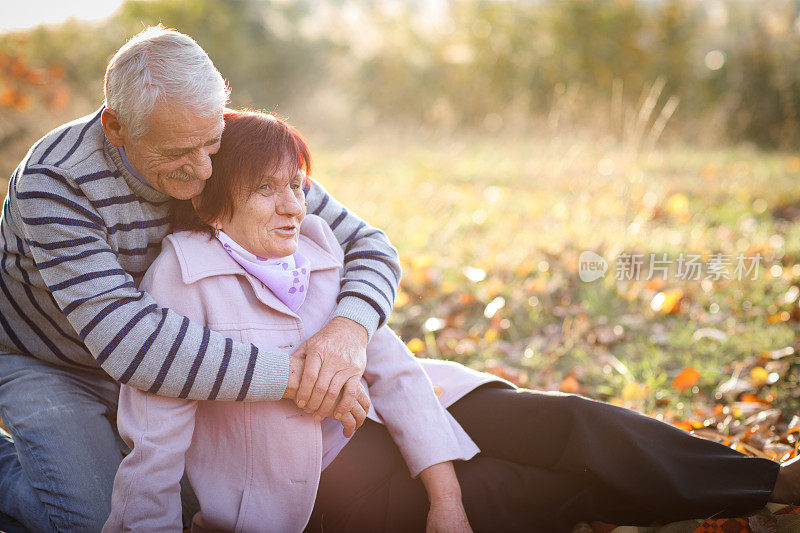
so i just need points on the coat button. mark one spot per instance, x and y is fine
(437, 390)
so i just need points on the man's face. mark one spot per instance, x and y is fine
(174, 156)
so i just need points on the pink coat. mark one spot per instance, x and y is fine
(255, 466)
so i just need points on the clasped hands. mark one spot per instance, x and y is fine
(325, 374)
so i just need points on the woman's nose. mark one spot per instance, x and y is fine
(288, 203)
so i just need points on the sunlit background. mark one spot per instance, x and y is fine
(23, 15)
(496, 141)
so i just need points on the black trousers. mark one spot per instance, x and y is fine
(547, 461)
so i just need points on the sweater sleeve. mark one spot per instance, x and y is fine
(132, 338)
(371, 264)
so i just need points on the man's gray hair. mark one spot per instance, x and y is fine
(161, 65)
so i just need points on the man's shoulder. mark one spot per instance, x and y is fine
(70, 147)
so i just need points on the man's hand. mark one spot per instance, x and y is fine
(335, 358)
(351, 420)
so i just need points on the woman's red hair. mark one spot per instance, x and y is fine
(254, 145)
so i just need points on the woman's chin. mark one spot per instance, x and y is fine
(284, 251)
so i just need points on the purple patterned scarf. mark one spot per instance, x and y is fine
(287, 277)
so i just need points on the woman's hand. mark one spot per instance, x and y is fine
(447, 516)
(354, 418)
(447, 513)
(295, 374)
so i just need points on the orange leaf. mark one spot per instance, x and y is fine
(57, 72)
(667, 302)
(17, 68)
(569, 384)
(688, 425)
(686, 379)
(655, 284)
(754, 399)
(416, 345)
(781, 316)
(59, 99)
(24, 103)
(759, 376)
(465, 298)
(8, 98)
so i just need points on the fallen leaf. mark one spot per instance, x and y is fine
(759, 376)
(633, 391)
(686, 379)
(667, 302)
(569, 384)
(416, 345)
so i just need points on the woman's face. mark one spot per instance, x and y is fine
(266, 221)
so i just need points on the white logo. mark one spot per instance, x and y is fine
(591, 266)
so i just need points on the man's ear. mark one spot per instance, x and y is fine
(112, 127)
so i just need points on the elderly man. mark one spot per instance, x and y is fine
(84, 216)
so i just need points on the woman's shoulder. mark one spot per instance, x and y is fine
(178, 245)
(177, 252)
(183, 238)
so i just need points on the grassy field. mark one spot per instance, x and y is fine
(490, 231)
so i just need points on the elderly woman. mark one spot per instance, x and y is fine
(255, 266)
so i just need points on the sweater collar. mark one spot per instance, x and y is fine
(133, 179)
(129, 167)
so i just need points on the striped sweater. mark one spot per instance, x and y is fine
(79, 231)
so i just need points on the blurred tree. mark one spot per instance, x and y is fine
(24, 85)
(258, 46)
(486, 64)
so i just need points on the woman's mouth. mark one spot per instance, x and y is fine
(286, 231)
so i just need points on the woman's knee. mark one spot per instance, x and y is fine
(560, 404)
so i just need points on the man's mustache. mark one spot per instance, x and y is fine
(180, 175)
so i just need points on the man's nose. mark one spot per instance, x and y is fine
(199, 166)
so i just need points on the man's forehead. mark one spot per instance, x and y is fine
(176, 127)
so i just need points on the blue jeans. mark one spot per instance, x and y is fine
(57, 467)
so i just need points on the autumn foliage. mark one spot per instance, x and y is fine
(22, 85)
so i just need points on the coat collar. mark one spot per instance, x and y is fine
(201, 256)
